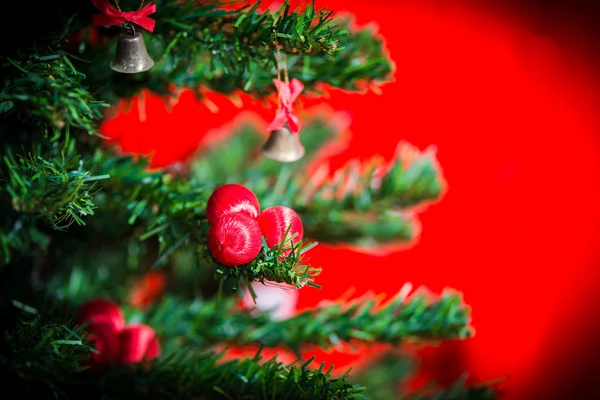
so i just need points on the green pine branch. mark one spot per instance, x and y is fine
(246, 31)
(235, 49)
(206, 376)
(47, 91)
(172, 209)
(59, 190)
(38, 351)
(365, 203)
(199, 44)
(460, 390)
(358, 206)
(386, 375)
(44, 356)
(19, 236)
(195, 44)
(422, 317)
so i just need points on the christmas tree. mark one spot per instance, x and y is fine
(86, 228)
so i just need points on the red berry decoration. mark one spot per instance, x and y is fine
(235, 239)
(105, 340)
(101, 311)
(231, 198)
(274, 223)
(138, 343)
(106, 322)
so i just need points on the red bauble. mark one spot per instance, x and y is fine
(235, 239)
(101, 311)
(274, 223)
(148, 289)
(231, 198)
(104, 339)
(138, 343)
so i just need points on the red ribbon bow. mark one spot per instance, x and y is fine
(288, 93)
(111, 15)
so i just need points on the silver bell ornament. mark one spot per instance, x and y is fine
(131, 55)
(283, 146)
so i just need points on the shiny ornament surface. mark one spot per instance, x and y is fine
(231, 198)
(235, 239)
(283, 146)
(131, 55)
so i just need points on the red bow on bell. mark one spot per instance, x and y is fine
(111, 15)
(288, 93)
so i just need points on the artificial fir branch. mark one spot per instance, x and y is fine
(459, 390)
(199, 44)
(19, 235)
(48, 91)
(39, 352)
(206, 376)
(387, 373)
(422, 317)
(45, 104)
(366, 203)
(245, 29)
(45, 357)
(58, 189)
(172, 208)
(195, 44)
(236, 48)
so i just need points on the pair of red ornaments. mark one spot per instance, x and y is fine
(115, 342)
(237, 225)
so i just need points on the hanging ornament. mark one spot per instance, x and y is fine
(275, 221)
(235, 239)
(105, 320)
(148, 289)
(283, 144)
(231, 197)
(103, 311)
(138, 342)
(105, 340)
(131, 55)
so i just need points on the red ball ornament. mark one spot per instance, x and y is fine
(274, 223)
(138, 343)
(105, 340)
(235, 239)
(231, 198)
(101, 311)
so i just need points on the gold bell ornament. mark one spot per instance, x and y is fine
(131, 55)
(283, 144)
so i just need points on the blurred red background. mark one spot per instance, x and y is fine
(513, 111)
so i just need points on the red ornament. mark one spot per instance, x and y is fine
(229, 198)
(101, 311)
(235, 239)
(104, 339)
(274, 223)
(106, 322)
(138, 343)
(148, 289)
